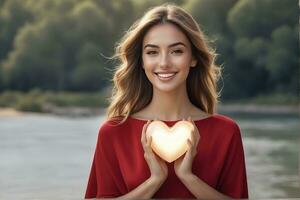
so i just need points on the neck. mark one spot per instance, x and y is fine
(169, 106)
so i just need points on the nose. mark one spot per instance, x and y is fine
(163, 63)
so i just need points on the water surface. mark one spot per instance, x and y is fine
(49, 157)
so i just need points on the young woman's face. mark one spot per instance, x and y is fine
(167, 57)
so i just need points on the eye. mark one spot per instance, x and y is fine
(177, 51)
(151, 52)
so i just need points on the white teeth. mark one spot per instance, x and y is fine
(166, 75)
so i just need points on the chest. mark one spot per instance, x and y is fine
(207, 165)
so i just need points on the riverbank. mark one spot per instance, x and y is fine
(78, 104)
(53, 102)
(222, 108)
(10, 112)
(59, 111)
(258, 109)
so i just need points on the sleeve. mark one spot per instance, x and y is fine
(102, 182)
(233, 178)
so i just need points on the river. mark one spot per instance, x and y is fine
(48, 157)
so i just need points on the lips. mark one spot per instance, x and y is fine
(165, 75)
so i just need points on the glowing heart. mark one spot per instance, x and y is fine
(170, 143)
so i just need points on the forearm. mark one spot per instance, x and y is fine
(200, 189)
(144, 191)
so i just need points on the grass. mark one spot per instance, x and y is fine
(268, 99)
(36, 100)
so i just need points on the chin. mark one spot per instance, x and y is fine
(166, 88)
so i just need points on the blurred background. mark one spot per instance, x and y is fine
(55, 77)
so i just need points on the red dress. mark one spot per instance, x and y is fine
(119, 165)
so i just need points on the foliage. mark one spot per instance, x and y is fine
(37, 100)
(56, 45)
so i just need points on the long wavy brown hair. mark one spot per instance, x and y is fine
(132, 90)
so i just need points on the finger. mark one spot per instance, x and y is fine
(191, 147)
(195, 132)
(143, 137)
(193, 136)
(190, 144)
(148, 148)
(196, 137)
(149, 142)
(147, 125)
(193, 123)
(194, 151)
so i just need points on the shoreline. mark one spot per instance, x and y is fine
(222, 108)
(10, 112)
(259, 109)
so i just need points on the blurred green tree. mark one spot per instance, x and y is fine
(89, 74)
(59, 45)
(211, 14)
(36, 60)
(257, 18)
(13, 15)
(260, 59)
(282, 60)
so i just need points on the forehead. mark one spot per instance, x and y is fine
(165, 34)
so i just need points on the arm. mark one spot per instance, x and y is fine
(200, 189)
(183, 169)
(158, 170)
(147, 189)
(144, 191)
(232, 181)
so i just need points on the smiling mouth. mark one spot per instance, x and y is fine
(165, 76)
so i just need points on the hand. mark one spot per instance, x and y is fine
(158, 167)
(183, 165)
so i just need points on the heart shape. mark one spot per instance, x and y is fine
(170, 143)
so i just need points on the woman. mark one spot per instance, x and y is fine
(167, 72)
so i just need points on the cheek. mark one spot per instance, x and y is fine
(148, 61)
(147, 68)
(148, 65)
(182, 63)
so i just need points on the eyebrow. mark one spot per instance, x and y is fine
(171, 45)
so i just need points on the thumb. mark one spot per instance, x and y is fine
(190, 146)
